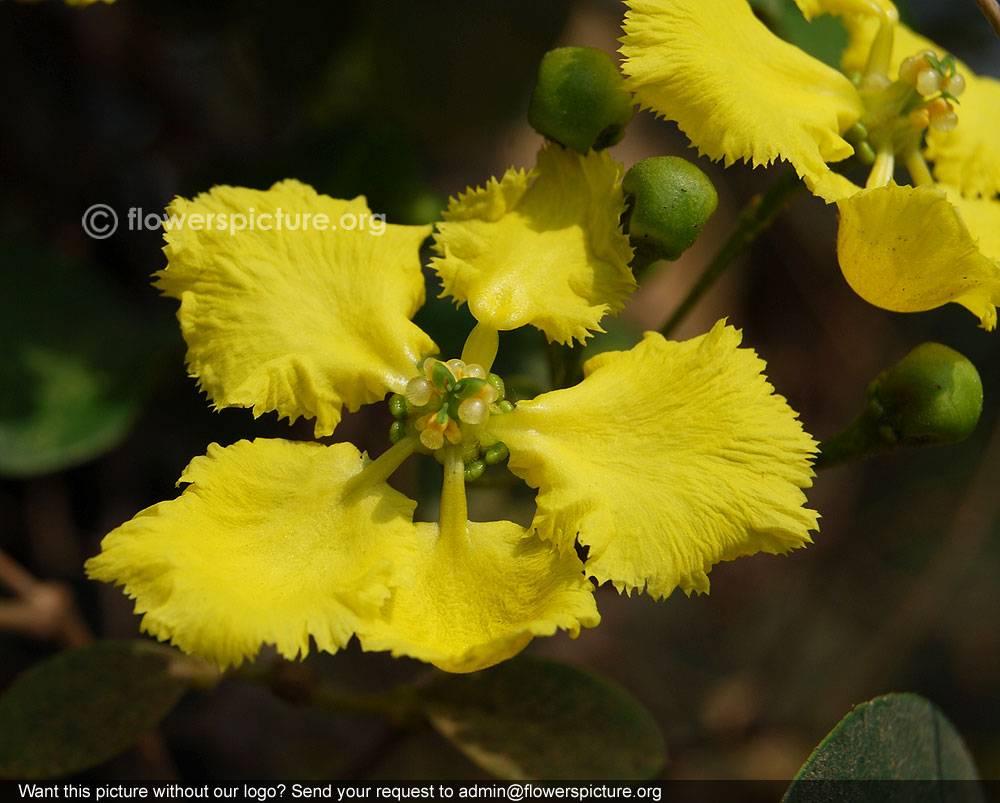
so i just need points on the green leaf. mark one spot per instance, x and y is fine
(532, 718)
(75, 365)
(897, 737)
(84, 706)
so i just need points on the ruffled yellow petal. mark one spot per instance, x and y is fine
(299, 321)
(480, 597)
(665, 460)
(908, 249)
(543, 248)
(261, 549)
(737, 90)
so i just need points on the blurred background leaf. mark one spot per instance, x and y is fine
(531, 718)
(76, 363)
(86, 705)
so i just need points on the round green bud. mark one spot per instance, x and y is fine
(668, 200)
(397, 405)
(579, 99)
(397, 431)
(932, 395)
(505, 406)
(496, 453)
(474, 470)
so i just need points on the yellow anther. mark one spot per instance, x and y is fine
(942, 115)
(919, 118)
(457, 367)
(955, 84)
(433, 432)
(928, 82)
(474, 411)
(475, 371)
(418, 391)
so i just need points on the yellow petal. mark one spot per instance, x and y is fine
(870, 8)
(479, 598)
(299, 321)
(665, 460)
(260, 549)
(737, 90)
(908, 249)
(543, 248)
(968, 156)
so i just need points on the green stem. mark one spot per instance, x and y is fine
(857, 440)
(755, 218)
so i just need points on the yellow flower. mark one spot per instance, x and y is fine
(740, 92)
(663, 461)
(74, 2)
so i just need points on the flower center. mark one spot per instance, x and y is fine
(451, 402)
(897, 113)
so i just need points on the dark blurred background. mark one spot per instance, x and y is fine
(131, 104)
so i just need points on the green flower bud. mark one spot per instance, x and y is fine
(474, 470)
(668, 200)
(397, 405)
(932, 395)
(397, 431)
(496, 453)
(578, 99)
(505, 406)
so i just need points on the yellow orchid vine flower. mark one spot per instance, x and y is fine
(663, 461)
(79, 3)
(740, 92)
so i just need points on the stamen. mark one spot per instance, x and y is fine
(955, 84)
